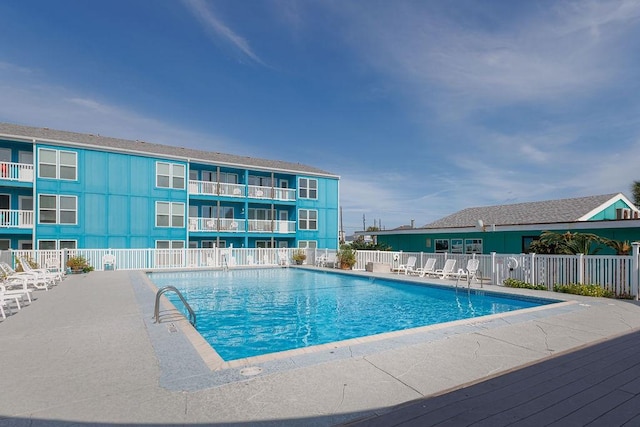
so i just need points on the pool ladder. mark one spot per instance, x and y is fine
(156, 311)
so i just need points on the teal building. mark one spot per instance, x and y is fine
(62, 189)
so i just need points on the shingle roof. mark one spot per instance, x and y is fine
(52, 135)
(546, 212)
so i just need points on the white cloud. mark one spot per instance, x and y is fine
(219, 30)
(33, 102)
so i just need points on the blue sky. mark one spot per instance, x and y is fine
(422, 107)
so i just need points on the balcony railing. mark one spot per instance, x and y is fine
(209, 188)
(10, 218)
(268, 226)
(230, 225)
(16, 172)
(233, 225)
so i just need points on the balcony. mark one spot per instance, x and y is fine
(210, 188)
(268, 226)
(10, 218)
(20, 172)
(234, 225)
(227, 225)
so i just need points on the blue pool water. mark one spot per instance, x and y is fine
(244, 313)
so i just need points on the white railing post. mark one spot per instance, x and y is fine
(581, 269)
(494, 272)
(532, 269)
(635, 279)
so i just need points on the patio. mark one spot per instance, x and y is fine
(87, 352)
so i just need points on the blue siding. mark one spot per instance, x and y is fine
(116, 197)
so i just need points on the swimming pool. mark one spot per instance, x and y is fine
(245, 313)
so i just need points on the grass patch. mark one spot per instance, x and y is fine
(583, 289)
(514, 283)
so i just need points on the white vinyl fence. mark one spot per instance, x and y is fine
(619, 274)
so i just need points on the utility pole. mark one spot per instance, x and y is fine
(364, 223)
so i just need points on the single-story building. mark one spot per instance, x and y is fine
(512, 228)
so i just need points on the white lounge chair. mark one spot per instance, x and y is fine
(447, 270)
(26, 267)
(427, 269)
(468, 273)
(408, 267)
(16, 287)
(6, 301)
(35, 280)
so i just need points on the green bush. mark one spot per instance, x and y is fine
(515, 283)
(583, 289)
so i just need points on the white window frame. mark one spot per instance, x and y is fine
(308, 244)
(172, 244)
(305, 221)
(306, 190)
(171, 176)
(175, 211)
(58, 244)
(58, 209)
(437, 242)
(58, 165)
(473, 246)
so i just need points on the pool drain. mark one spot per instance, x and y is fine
(250, 371)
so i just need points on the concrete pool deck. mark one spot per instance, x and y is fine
(88, 353)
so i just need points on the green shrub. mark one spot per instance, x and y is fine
(515, 283)
(592, 290)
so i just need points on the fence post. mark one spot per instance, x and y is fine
(494, 273)
(532, 269)
(635, 280)
(581, 269)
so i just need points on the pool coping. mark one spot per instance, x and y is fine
(223, 372)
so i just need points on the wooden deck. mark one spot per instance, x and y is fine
(597, 385)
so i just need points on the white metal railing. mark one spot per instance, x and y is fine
(217, 224)
(16, 171)
(259, 192)
(212, 188)
(619, 274)
(286, 194)
(10, 218)
(269, 226)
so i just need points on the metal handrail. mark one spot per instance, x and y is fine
(156, 311)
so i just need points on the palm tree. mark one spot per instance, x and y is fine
(621, 248)
(635, 190)
(567, 243)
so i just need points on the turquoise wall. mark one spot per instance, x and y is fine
(116, 202)
(498, 241)
(327, 206)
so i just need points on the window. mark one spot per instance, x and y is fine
(527, 241)
(265, 244)
(307, 219)
(57, 244)
(307, 244)
(473, 246)
(442, 245)
(208, 244)
(170, 175)
(228, 177)
(262, 181)
(308, 188)
(169, 214)
(57, 164)
(456, 246)
(169, 244)
(58, 209)
(260, 214)
(5, 244)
